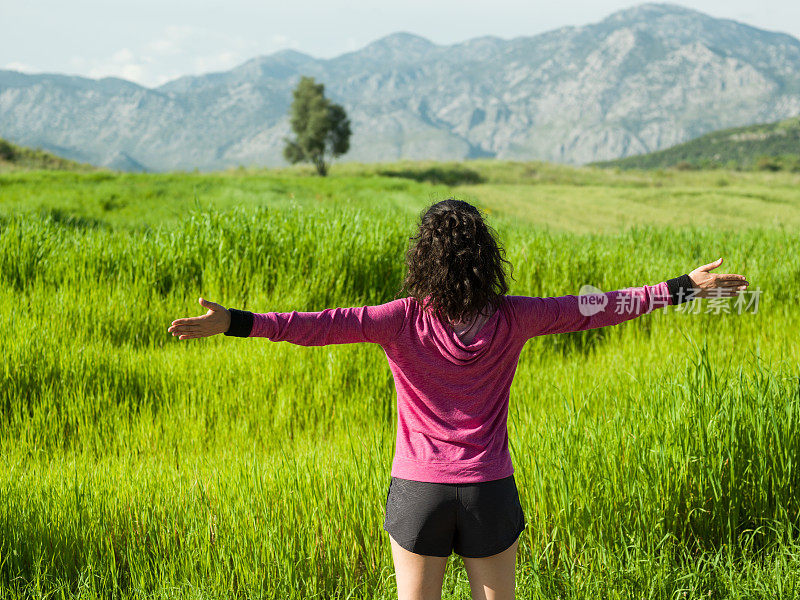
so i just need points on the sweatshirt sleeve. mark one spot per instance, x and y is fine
(564, 314)
(379, 324)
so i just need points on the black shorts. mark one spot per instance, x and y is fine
(473, 519)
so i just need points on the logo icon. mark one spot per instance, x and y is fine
(591, 300)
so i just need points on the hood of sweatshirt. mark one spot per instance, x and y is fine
(459, 343)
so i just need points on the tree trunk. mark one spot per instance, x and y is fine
(322, 168)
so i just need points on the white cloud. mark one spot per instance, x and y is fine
(174, 51)
(131, 72)
(18, 66)
(123, 63)
(181, 49)
(220, 62)
(172, 40)
(165, 77)
(122, 56)
(280, 40)
(134, 72)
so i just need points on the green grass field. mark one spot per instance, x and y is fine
(654, 459)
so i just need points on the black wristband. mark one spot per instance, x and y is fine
(241, 323)
(681, 289)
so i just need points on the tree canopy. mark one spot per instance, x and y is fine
(321, 127)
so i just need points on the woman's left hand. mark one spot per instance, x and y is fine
(716, 285)
(216, 320)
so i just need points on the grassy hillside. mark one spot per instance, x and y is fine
(14, 157)
(770, 147)
(545, 196)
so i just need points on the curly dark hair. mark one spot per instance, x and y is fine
(455, 267)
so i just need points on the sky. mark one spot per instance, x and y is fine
(153, 41)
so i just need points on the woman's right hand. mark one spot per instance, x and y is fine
(216, 320)
(716, 285)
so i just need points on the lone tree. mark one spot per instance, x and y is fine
(322, 127)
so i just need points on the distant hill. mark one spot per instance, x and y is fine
(643, 79)
(18, 157)
(771, 146)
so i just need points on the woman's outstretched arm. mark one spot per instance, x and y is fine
(379, 324)
(564, 314)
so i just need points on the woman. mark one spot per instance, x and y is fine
(453, 343)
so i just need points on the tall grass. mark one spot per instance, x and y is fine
(655, 458)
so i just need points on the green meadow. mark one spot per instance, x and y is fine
(659, 458)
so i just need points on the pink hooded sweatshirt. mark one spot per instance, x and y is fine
(453, 390)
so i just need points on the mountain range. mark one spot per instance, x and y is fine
(643, 79)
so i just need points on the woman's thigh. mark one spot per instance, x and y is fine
(492, 577)
(419, 577)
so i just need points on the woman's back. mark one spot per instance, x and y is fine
(452, 396)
